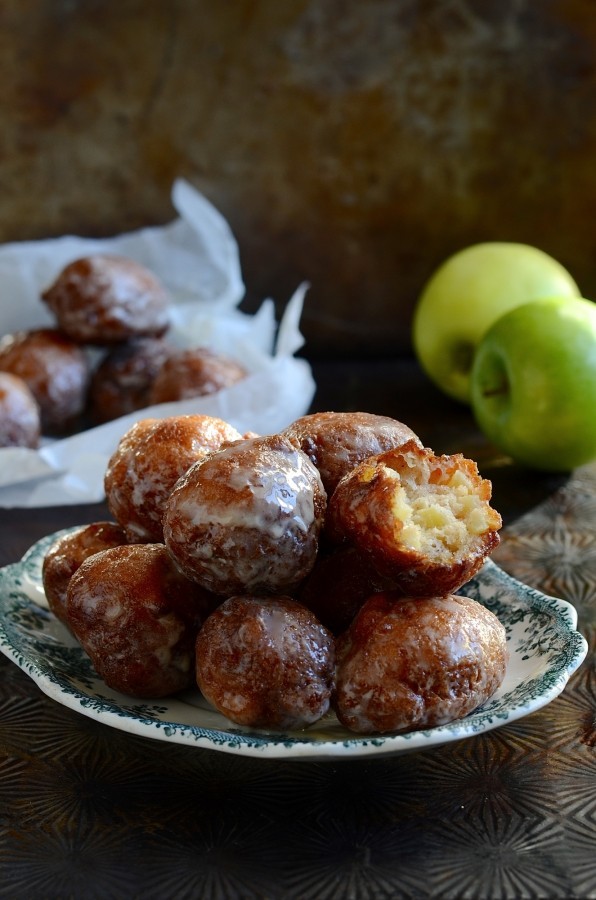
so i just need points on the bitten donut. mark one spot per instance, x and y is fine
(20, 419)
(104, 299)
(337, 441)
(266, 662)
(423, 520)
(247, 519)
(137, 618)
(122, 381)
(66, 555)
(194, 372)
(406, 664)
(54, 368)
(147, 463)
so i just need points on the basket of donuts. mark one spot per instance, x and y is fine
(96, 331)
(312, 572)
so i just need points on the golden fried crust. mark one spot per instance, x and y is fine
(149, 460)
(406, 664)
(247, 518)
(194, 372)
(337, 441)
(122, 381)
(266, 662)
(106, 299)
(423, 520)
(66, 555)
(137, 618)
(54, 368)
(20, 420)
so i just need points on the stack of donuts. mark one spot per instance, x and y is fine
(106, 355)
(313, 571)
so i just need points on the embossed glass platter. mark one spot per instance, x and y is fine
(544, 645)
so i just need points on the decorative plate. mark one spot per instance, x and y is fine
(545, 649)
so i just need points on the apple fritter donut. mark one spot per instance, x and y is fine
(20, 419)
(194, 372)
(66, 555)
(247, 519)
(407, 664)
(137, 618)
(337, 441)
(423, 520)
(104, 299)
(55, 369)
(122, 381)
(147, 463)
(266, 662)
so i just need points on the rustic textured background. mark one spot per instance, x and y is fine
(353, 144)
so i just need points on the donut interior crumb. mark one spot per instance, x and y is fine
(438, 506)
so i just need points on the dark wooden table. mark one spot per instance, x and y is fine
(88, 811)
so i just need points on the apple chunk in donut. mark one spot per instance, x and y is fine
(247, 518)
(406, 664)
(137, 617)
(424, 520)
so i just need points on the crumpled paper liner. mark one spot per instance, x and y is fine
(197, 260)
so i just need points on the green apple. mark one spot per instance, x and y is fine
(533, 384)
(467, 293)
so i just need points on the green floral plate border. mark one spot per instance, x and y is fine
(545, 649)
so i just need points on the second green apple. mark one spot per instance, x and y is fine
(533, 384)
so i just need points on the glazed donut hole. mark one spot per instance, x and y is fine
(104, 298)
(424, 520)
(56, 371)
(137, 618)
(148, 461)
(20, 419)
(66, 555)
(337, 441)
(266, 662)
(122, 380)
(247, 518)
(406, 664)
(194, 372)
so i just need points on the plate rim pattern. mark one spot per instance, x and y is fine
(62, 671)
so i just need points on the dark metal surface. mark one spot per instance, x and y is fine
(354, 145)
(87, 811)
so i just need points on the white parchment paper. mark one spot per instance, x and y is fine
(197, 259)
